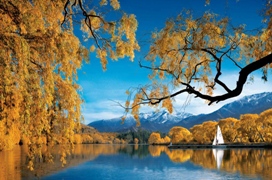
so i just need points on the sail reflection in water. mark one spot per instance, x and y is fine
(218, 155)
(141, 162)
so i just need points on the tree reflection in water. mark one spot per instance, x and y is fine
(250, 162)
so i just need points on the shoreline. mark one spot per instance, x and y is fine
(223, 146)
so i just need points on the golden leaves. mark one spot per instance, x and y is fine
(92, 48)
(136, 106)
(38, 69)
(120, 36)
(115, 4)
(167, 103)
(128, 27)
(155, 138)
(102, 55)
(103, 2)
(179, 134)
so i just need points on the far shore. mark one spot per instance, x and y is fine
(227, 145)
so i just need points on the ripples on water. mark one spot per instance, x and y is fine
(141, 162)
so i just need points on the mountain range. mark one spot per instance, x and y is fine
(163, 121)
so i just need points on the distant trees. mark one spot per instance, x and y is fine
(229, 128)
(204, 132)
(247, 130)
(255, 128)
(250, 128)
(155, 138)
(264, 125)
(141, 134)
(179, 135)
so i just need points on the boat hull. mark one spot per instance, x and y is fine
(219, 146)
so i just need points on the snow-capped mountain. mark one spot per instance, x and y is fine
(163, 121)
(153, 121)
(163, 117)
(251, 104)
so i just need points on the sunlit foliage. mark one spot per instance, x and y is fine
(189, 54)
(39, 59)
(204, 133)
(229, 127)
(180, 135)
(155, 138)
(264, 125)
(247, 130)
(38, 67)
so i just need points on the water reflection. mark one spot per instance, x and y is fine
(249, 162)
(218, 156)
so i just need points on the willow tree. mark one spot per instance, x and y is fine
(39, 59)
(179, 135)
(189, 55)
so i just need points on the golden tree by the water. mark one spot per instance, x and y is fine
(229, 128)
(180, 135)
(39, 59)
(155, 138)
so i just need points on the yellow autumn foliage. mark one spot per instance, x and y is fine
(189, 53)
(155, 138)
(250, 128)
(40, 55)
(179, 135)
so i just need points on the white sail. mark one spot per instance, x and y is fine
(218, 139)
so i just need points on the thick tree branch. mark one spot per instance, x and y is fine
(218, 68)
(244, 73)
(240, 83)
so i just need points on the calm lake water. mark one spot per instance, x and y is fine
(117, 162)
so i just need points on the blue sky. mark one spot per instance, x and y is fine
(101, 88)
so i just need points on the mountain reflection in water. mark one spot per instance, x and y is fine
(93, 159)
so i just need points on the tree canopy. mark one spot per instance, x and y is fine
(189, 54)
(40, 55)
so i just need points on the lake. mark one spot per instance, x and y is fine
(133, 162)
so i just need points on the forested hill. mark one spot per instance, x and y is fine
(163, 121)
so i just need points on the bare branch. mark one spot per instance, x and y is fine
(230, 94)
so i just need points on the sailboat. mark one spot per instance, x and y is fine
(218, 143)
(218, 139)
